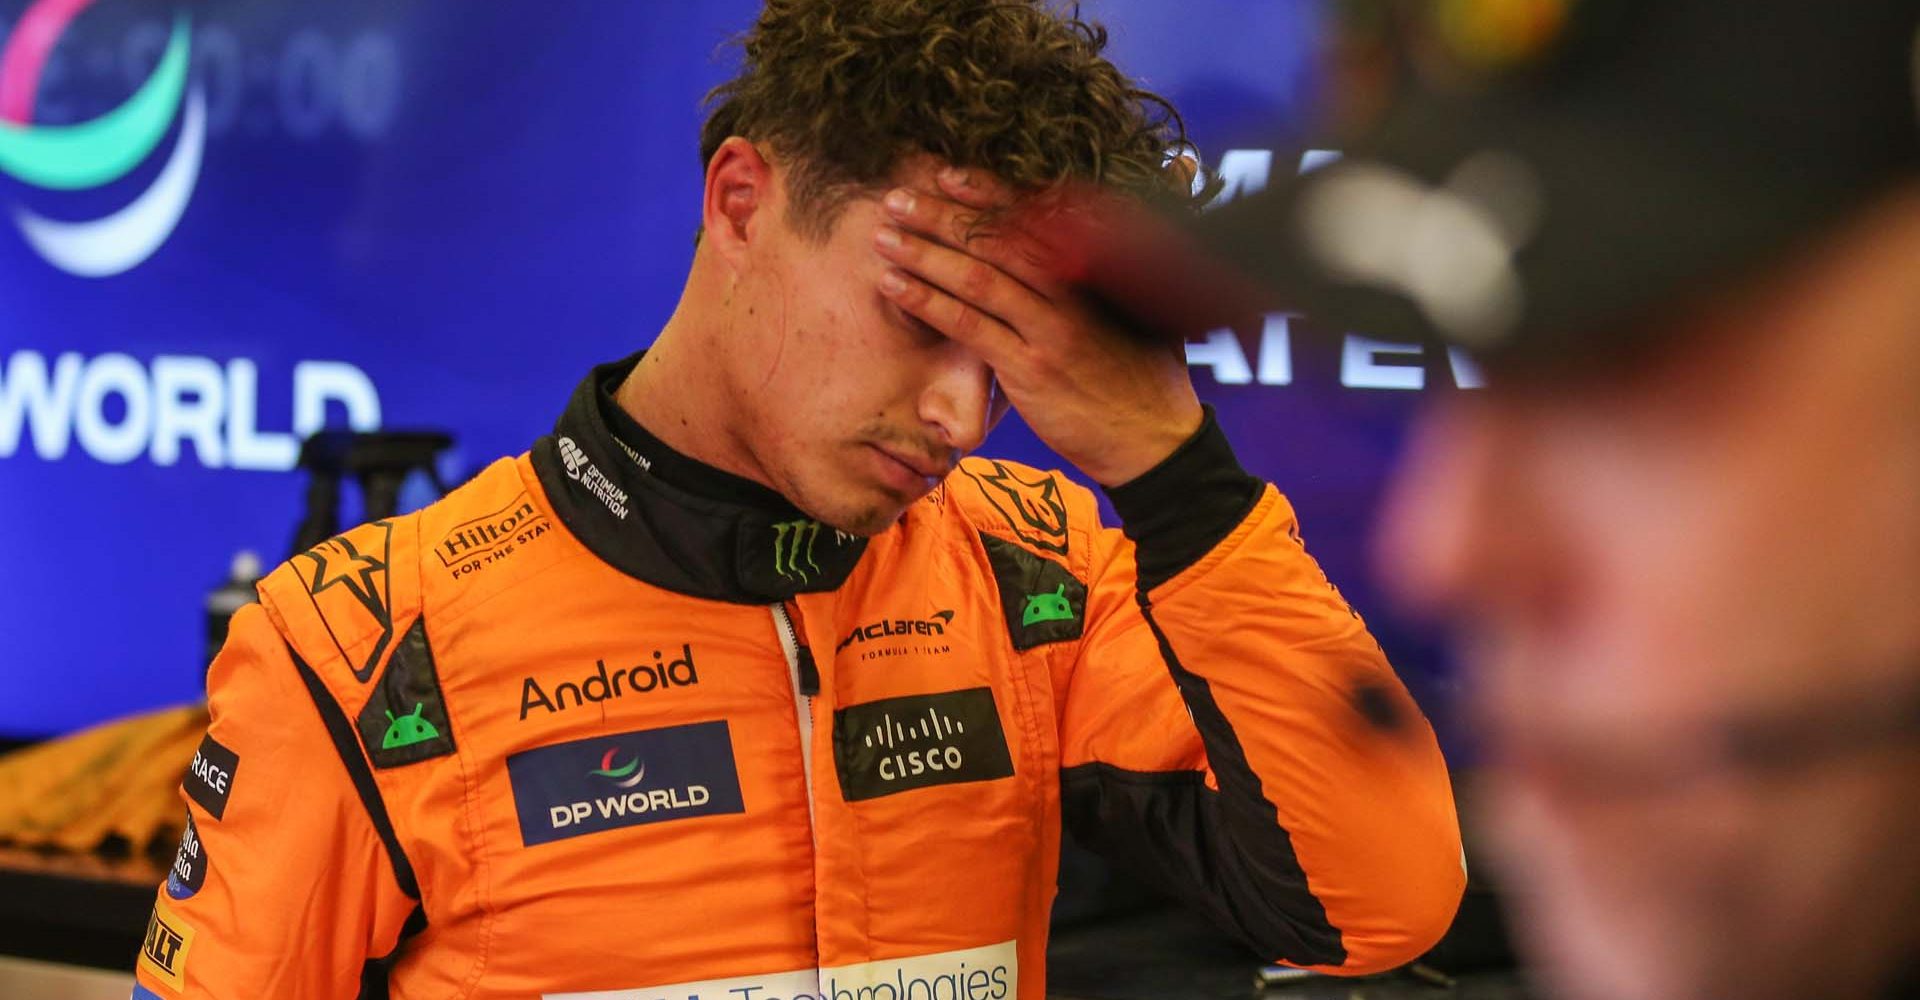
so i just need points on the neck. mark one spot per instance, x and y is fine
(680, 395)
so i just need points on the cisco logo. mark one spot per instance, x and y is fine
(900, 744)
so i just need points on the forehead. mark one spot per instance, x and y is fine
(917, 171)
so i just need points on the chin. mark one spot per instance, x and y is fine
(864, 514)
(866, 523)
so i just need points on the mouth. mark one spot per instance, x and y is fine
(921, 466)
(908, 473)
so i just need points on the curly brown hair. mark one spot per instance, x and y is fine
(844, 90)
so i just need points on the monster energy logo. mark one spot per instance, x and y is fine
(793, 542)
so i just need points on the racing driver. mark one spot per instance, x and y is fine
(744, 685)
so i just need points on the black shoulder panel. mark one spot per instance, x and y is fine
(1043, 602)
(405, 721)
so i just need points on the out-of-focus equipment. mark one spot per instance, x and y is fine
(116, 782)
(228, 598)
(1542, 181)
(381, 462)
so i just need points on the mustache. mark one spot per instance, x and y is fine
(919, 451)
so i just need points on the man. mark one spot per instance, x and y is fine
(1679, 529)
(743, 685)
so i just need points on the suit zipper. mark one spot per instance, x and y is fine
(806, 684)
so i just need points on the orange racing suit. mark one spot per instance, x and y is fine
(607, 723)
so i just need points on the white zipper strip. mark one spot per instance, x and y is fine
(802, 703)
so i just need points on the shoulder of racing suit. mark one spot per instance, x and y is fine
(354, 612)
(1039, 510)
(354, 608)
(1037, 528)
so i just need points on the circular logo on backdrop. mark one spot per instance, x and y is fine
(99, 151)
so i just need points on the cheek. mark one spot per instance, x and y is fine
(1628, 514)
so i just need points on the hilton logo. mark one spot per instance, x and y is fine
(900, 744)
(474, 543)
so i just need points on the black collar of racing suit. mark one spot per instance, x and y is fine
(675, 522)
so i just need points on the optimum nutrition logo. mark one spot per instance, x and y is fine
(94, 153)
(581, 469)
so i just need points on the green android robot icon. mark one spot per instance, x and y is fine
(408, 730)
(1047, 608)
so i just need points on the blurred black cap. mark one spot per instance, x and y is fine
(1629, 155)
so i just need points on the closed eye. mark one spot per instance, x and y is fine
(919, 328)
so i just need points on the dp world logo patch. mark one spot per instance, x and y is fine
(626, 779)
(100, 151)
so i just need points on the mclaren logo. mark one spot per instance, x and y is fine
(895, 636)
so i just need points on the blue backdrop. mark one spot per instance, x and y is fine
(230, 222)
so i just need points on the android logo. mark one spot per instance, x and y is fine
(408, 730)
(1047, 608)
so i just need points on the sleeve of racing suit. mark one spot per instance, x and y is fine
(283, 886)
(1233, 731)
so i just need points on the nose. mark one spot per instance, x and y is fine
(958, 400)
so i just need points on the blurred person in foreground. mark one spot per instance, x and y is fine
(1680, 530)
(744, 684)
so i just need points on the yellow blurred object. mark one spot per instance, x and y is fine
(1499, 34)
(118, 778)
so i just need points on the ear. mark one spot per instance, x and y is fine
(740, 185)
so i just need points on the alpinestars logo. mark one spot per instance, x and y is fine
(95, 153)
(581, 469)
(793, 545)
(1034, 510)
(346, 566)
